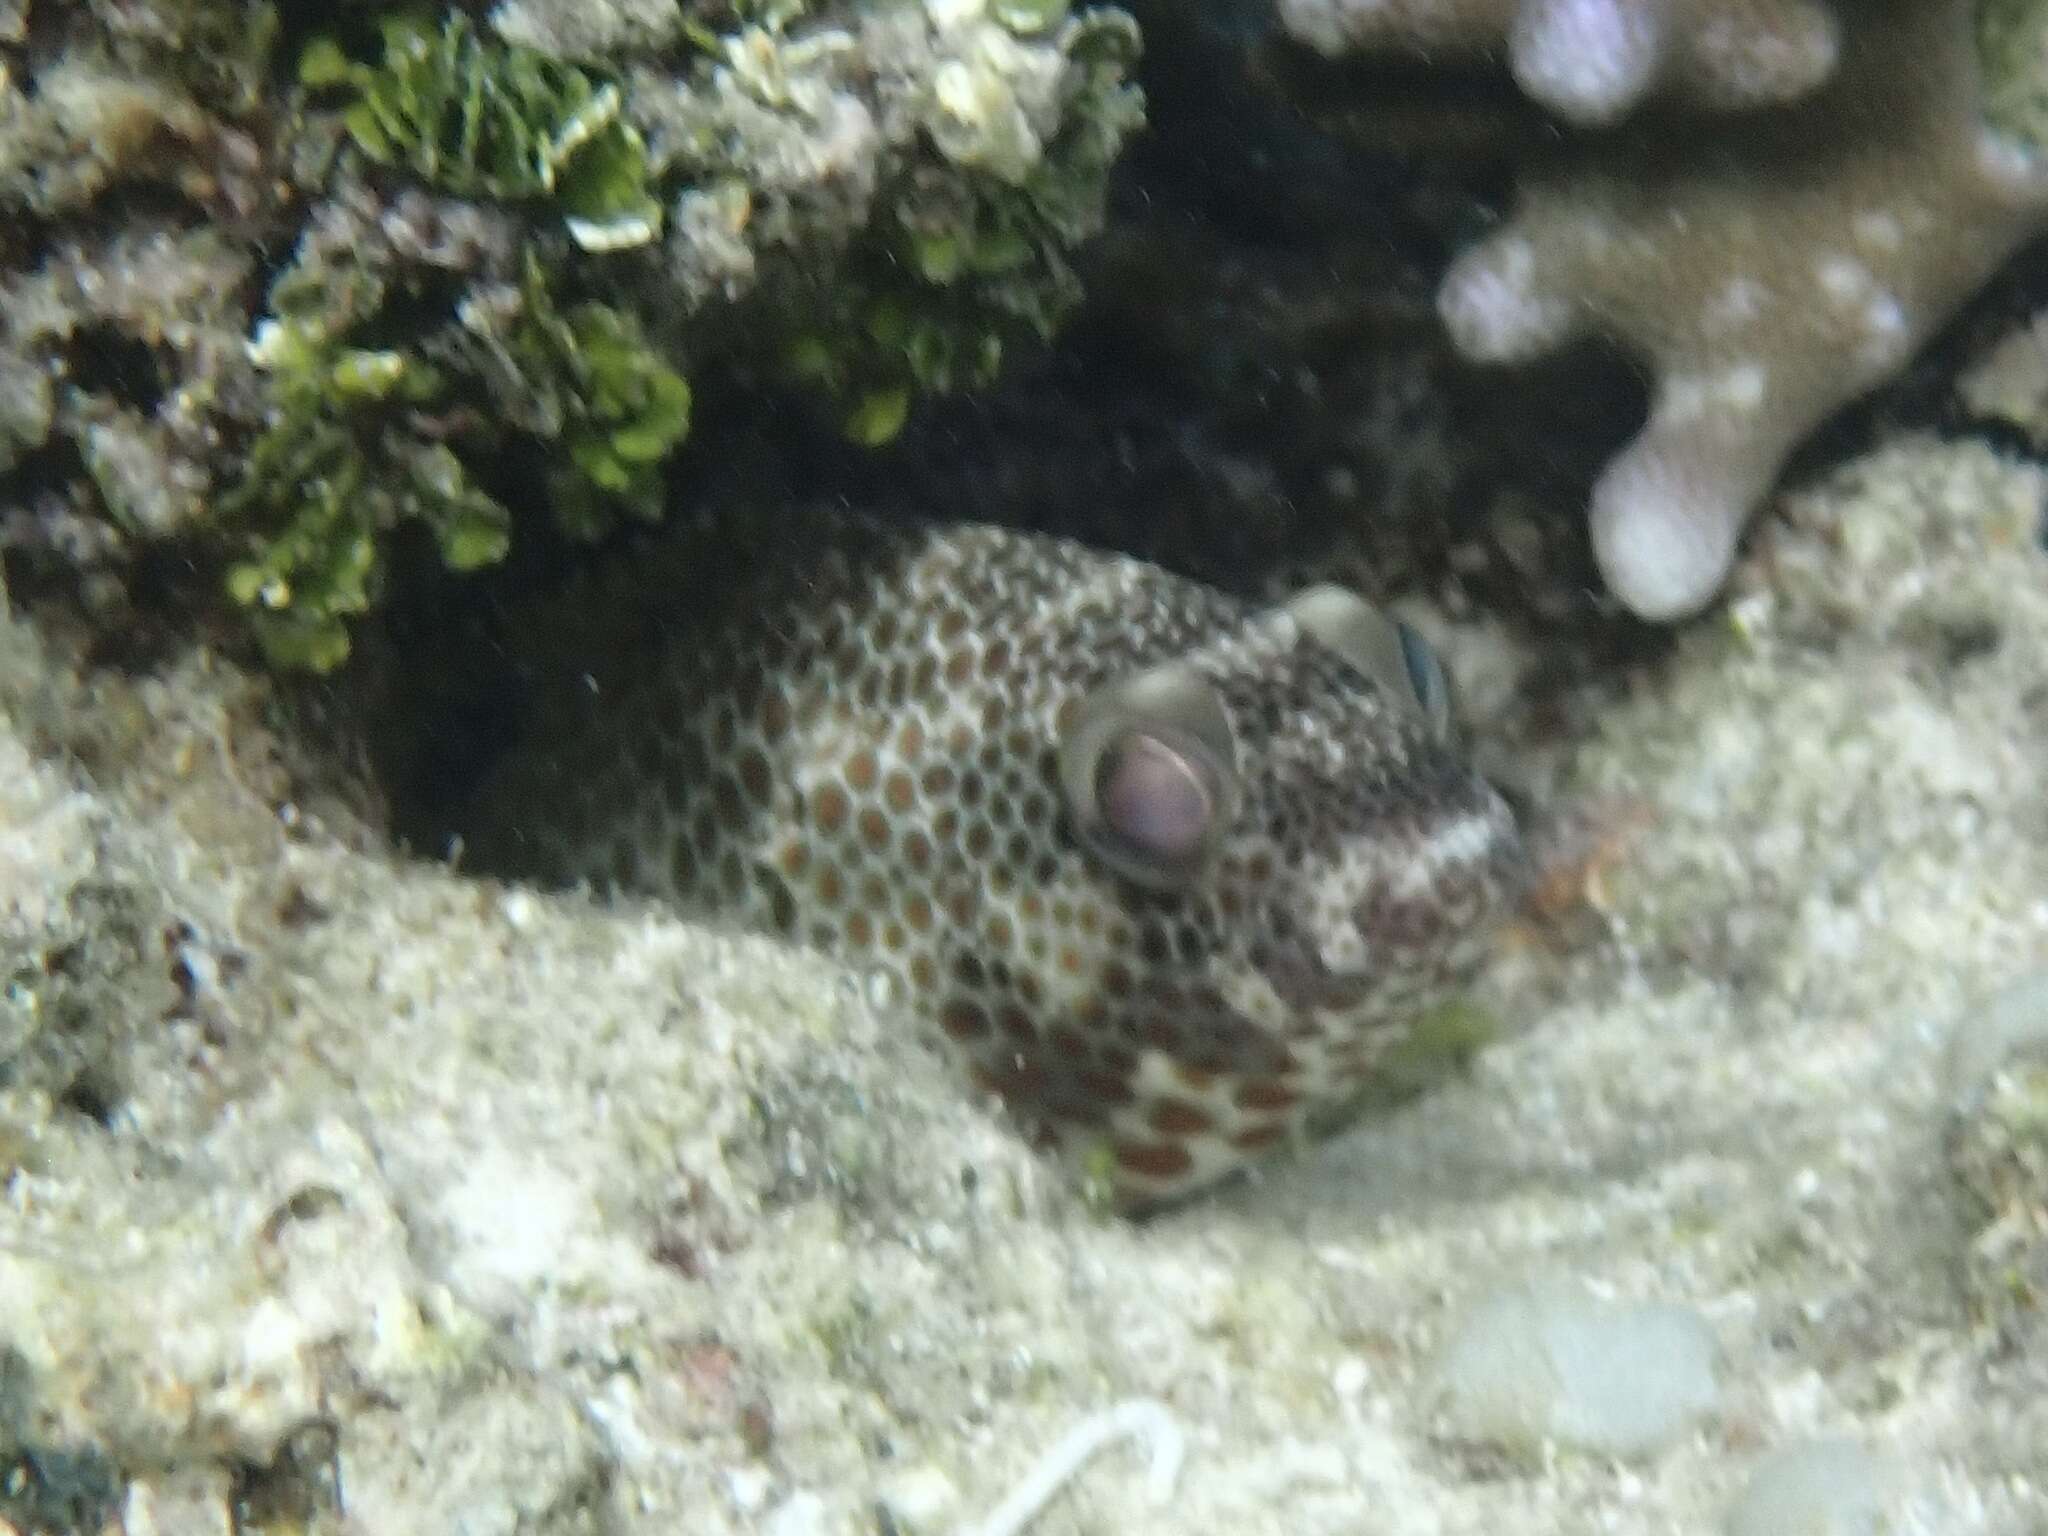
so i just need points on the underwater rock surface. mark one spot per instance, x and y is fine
(352, 1194)
(341, 1191)
(289, 290)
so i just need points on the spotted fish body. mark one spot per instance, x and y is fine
(1169, 870)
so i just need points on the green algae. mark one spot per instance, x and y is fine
(2011, 38)
(427, 239)
(364, 439)
(479, 118)
(952, 281)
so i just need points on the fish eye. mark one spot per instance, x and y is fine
(1147, 769)
(1153, 799)
(1379, 647)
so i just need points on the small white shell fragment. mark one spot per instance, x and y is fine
(1826, 1488)
(919, 1498)
(1548, 1363)
(801, 1514)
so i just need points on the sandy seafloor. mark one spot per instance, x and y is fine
(523, 1216)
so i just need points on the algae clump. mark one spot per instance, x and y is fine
(485, 119)
(378, 417)
(955, 275)
(364, 439)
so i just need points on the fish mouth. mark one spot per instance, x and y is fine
(1418, 922)
(1306, 983)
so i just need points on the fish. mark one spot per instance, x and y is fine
(1168, 869)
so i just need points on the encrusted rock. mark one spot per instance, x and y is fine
(1997, 1144)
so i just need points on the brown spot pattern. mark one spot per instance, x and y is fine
(850, 733)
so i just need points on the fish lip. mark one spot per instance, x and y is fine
(1429, 934)
(1305, 982)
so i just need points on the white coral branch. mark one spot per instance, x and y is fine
(1137, 1419)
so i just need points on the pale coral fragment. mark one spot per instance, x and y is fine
(1766, 266)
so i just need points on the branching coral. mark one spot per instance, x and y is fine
(1592, 60)
(1766, 282)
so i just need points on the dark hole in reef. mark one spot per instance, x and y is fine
(40, 478)
(53, 1488)
(451, 641)
(455, 701)
(353, 28)
(1963, 640)
(454, 691)
(92, 1094)
(300, 1485)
